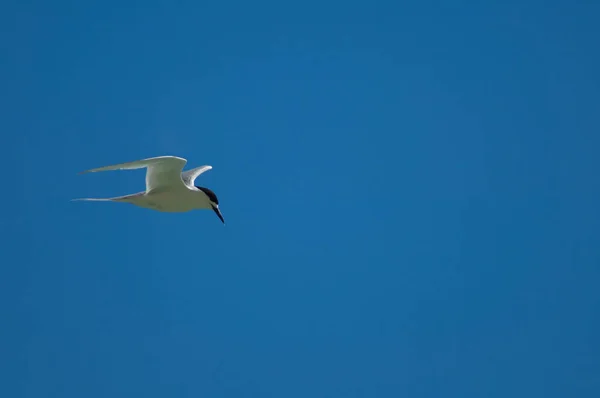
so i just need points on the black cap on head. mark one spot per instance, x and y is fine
(211, 195)
(213, 198)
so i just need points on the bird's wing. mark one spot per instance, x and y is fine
(190, 176)
(161, 171)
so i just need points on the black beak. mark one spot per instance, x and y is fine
(216, 209)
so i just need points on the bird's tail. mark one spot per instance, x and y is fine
(125, 198)
(93, 199)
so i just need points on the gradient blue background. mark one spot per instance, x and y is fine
(411, 193)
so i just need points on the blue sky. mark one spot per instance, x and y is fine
(410, 188)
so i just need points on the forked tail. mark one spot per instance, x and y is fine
(125, 198)
(93, 200)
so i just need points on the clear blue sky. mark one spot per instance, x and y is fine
(411, 193)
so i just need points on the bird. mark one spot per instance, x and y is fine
(168, 187)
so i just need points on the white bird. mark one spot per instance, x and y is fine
(168, 187)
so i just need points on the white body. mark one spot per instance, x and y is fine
(172, 200)
(168, 187)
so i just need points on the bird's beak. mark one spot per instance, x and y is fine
(216, 209)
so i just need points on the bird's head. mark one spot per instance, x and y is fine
(213, 200)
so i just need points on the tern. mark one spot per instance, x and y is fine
(168, 187)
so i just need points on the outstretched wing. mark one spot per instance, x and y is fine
(161, 171)
(190, 176)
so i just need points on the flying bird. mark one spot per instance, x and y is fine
(168, 187)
